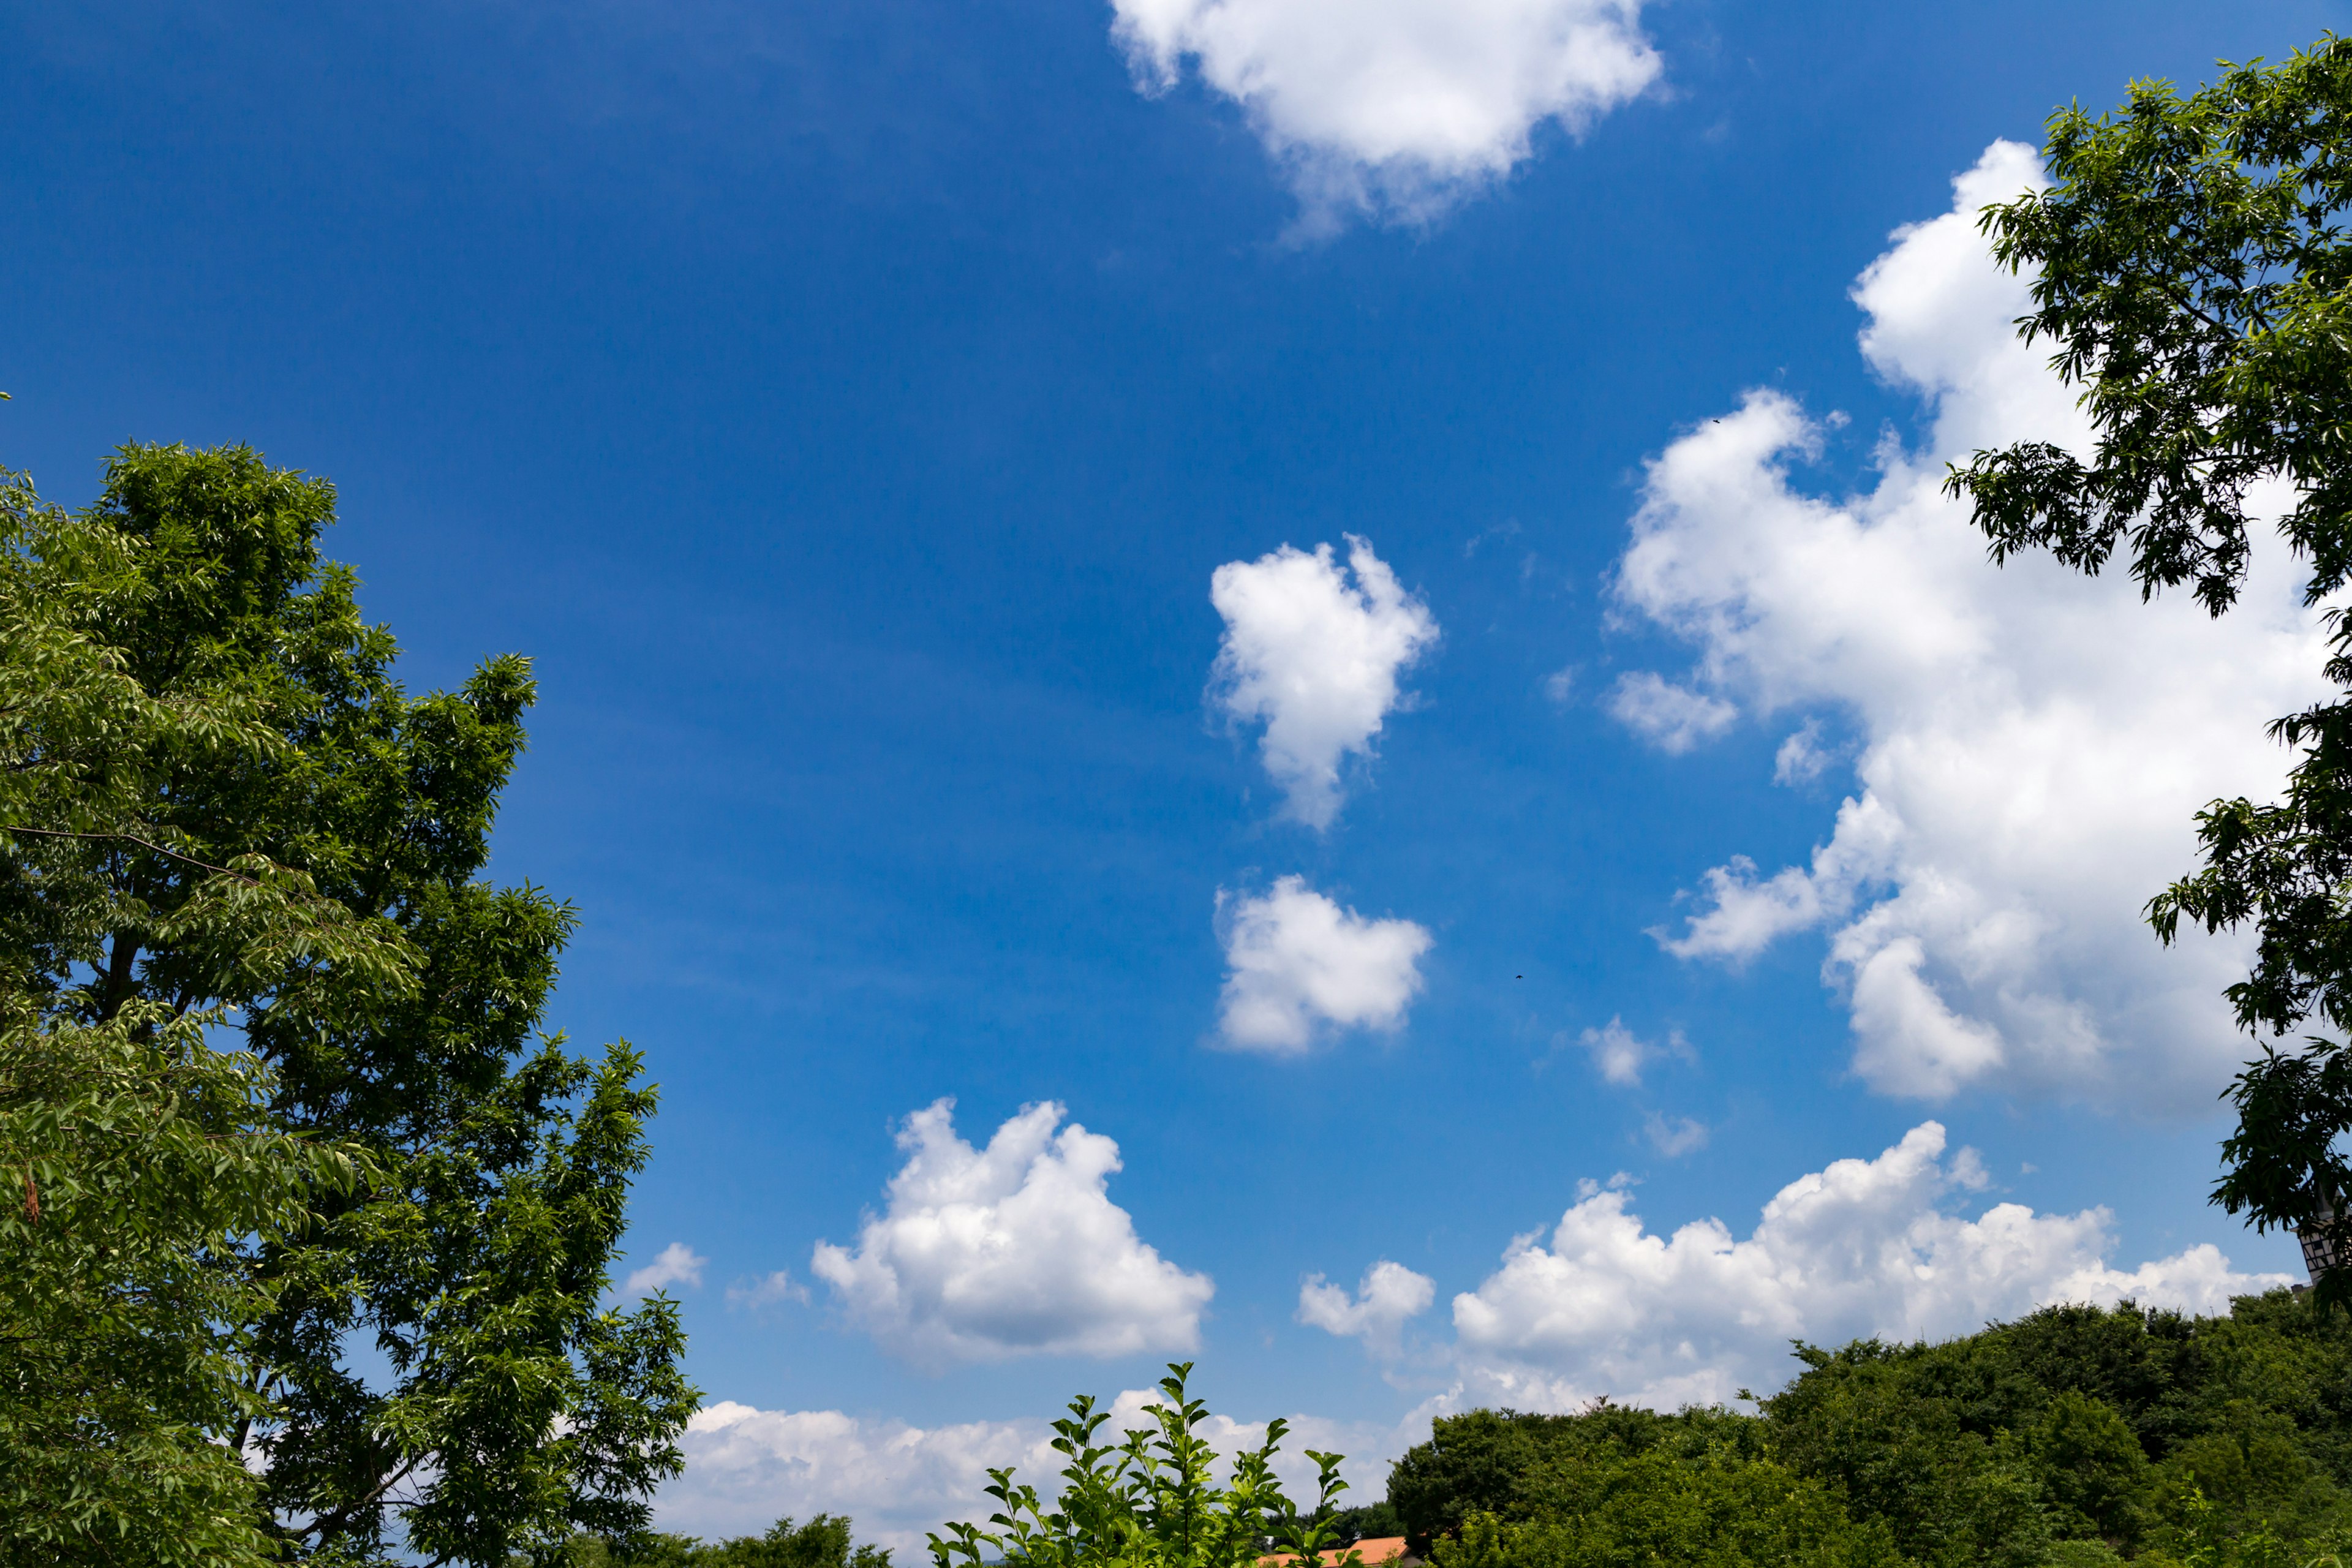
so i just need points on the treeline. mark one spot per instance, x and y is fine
(823, 1543)
(2074, 1436)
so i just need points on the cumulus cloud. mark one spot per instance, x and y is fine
(1299, 966)
(1016, 1250)
(745, 1465)
(2030, 744)
(1619, 1055)
(1395, 106)
(675, 1264)
(1670, 716)
(1864, 1247)
(1390, 1296)
(1315, 658)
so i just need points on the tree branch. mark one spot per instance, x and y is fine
(134, 838)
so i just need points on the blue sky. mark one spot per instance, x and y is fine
(849, 408)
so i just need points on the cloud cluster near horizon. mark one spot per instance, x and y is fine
(1016, 1249)
(1395, 107)
(2032, 744)
(1595, 1304)
(1605, 1306)
(746, 1466)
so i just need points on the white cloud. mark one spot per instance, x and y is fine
(1316, 658)
(2032, 744)
(1389, 1297)
(1675, 1136)
(1619, 1055)
(1802, 757)
(675, 1264)
(1395, 106)
(1672, 718)
(745, 1467)
(1016, 1249)
(770, 1290)
(1301, 965)
(1863, 1247)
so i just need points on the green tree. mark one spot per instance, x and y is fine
(1656, 1509)
(823, 1543)
(2090, 1466)
(1507, 1463)
(1149, 1500)
(505, 1408)
(138, 1155)
(2193, 272)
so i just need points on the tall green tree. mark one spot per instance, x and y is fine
(137, 1156)
(2193, 272)
(435, 1372)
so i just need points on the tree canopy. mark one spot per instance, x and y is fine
(2075, 1436)
(271, 1046)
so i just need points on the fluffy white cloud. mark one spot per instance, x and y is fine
(1619, 1055)
(1014, 1250)
(675, 1264)
(1301, 965)
(745, 1465)
(2031, 744)
(1864, 1247)
(1390, 1296)
(1672, 718)
(1396, 107)
(1316, 658)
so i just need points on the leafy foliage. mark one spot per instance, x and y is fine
(2194, 272)
(239, 871)
(1149, 1500)
(822, 1543)
(2074, 1436)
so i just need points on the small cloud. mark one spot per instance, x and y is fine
(1619, 1055)
(1397, 110)
(770, 1290)
(1505, 529)
(1802, 757)
(1314, 650)
(1300, 966)
(677, 1264)
(1672, 718)
(1675, 1136)
(1560, 683)
(1390, 1296)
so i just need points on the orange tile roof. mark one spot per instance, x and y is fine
(1372, 1549)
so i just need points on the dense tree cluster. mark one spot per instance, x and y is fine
(2076, 1436)
(309, 1225)
(823, 1543)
